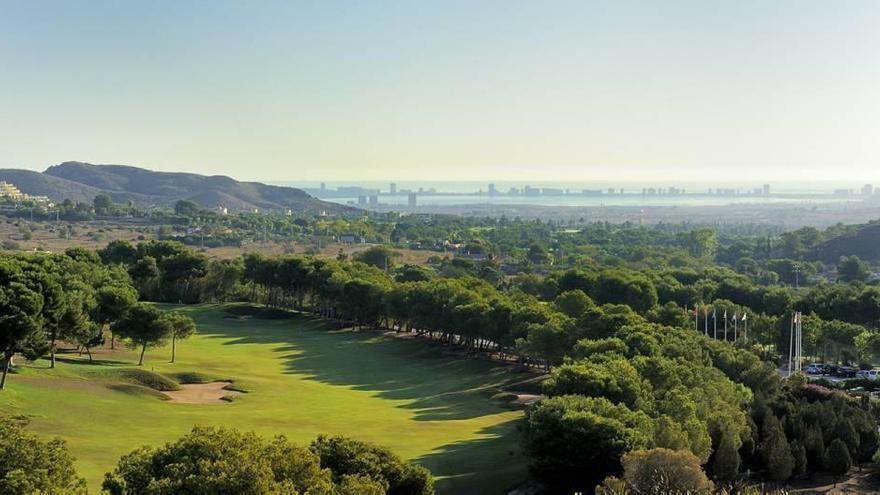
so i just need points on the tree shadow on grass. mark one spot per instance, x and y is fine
(94, 362)
(489, 459)
(436, 387)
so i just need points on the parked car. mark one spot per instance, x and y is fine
(845, 372)
(813, 369)
(867, 374)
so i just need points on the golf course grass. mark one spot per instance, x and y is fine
(302, 378)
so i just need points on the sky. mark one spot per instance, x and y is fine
(454, 90)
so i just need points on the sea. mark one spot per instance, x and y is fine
(457, 193)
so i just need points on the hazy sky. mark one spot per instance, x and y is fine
(327, 90)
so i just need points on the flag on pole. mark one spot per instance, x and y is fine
(725, 314)
(745, 316)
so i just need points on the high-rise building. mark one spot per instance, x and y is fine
(362, 200)
(411, 200)
(492, 191)
(766, 189)
(374, 200)
(392, 189)
(868, 189)
(323, 187)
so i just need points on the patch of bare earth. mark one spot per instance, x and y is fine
(202, 393)
(523, 399)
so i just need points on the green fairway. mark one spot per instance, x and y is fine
(302, 379)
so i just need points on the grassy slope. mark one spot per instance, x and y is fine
(304, 380)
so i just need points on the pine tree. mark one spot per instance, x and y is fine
(726, 464)
(799, 453)
(814, 444)
(775, 450)
(845, 431)
(838, 460)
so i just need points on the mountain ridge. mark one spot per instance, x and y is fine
(81, 181)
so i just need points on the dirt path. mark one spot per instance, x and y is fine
(202, 393)
(866, 480)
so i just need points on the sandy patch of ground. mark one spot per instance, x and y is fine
(523, 399)
(202, 393)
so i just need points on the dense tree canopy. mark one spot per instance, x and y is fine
(30, 465)
(220, 460)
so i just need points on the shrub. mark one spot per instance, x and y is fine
(661, 471)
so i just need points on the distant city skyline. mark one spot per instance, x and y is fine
(522, 91)
(630, 186)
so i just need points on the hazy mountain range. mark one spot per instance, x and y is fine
(80, 181)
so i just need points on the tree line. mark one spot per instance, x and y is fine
(47, 299)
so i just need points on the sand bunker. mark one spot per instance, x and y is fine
(202, 393)
(526, 399)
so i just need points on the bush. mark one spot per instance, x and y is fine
(661, 471)
(10, 245)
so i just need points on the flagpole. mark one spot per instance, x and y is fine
(797, 343)
(715, 326)
(791, 342)
(725, 324)
(706, 321)
(800, 341)
(735, 323)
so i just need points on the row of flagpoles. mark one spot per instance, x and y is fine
(736, 319)
(796, 337)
